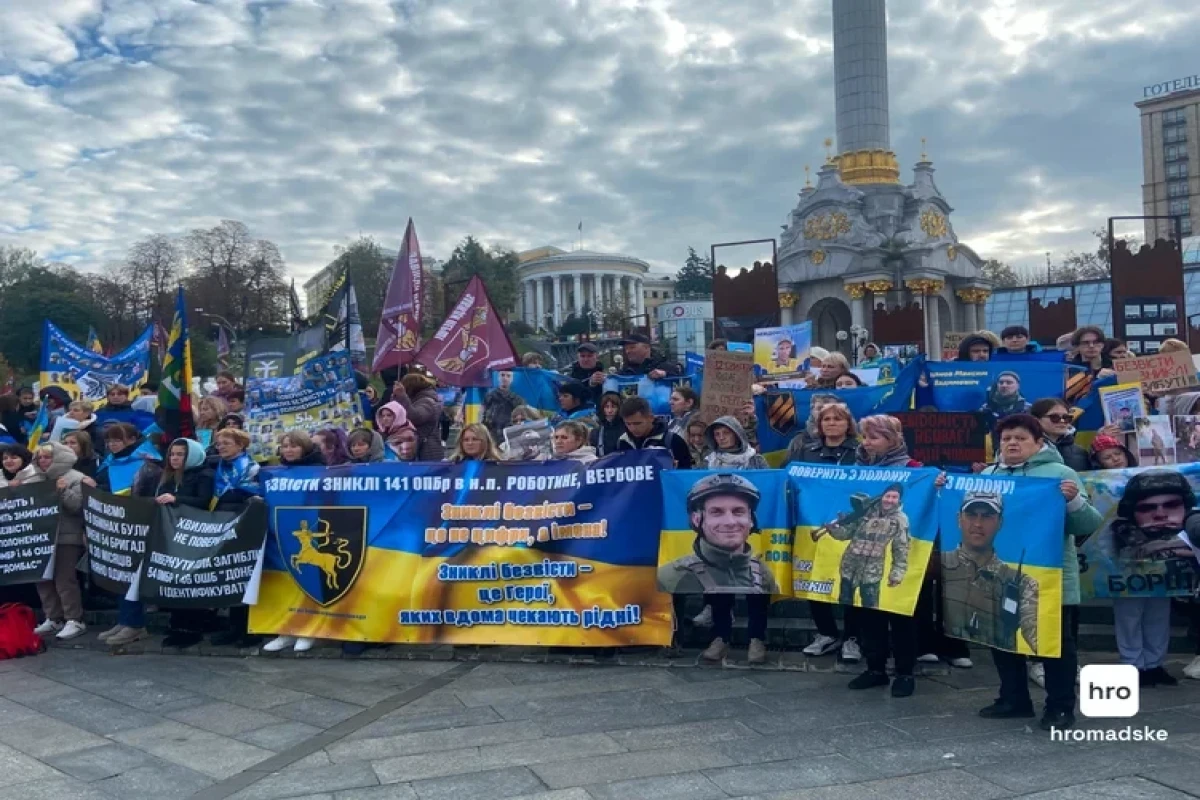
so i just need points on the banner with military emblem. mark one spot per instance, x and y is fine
(551, 554)
(399, 334)
(471, 343)
(724, 532)
(863, 535)
(87, 375)
(323, 394)
(1137, 552)
(1001, 562)
(783, 413)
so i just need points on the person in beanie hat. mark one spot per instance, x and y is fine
(1109, 452)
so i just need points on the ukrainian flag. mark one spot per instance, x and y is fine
(40, 424)
(473, 404)
(93, 341)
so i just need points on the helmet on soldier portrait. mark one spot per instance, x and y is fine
(722, 483)
(1149, 484)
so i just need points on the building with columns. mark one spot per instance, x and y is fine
(556, 283)
(861, 244)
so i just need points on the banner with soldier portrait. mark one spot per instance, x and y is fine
(1001, 562)
(86, 375)
(724, 531)
(1137, 552)
(863, 535)
(656, 392)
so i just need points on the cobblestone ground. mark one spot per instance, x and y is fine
(83, 724)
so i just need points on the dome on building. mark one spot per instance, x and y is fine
(556, 283)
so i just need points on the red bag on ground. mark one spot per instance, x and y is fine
(16, 632)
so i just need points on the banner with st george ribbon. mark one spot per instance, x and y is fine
(28, 529)
(656, 392)
(203, 559)
(724, 531)
(550, 554)
(1001, 562)
(863, 535)
(1137, 552)
(117, 528)
(993, 388)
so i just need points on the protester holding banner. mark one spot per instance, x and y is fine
(334, 446)
(570, 442)
(1110, 452)
(728, 448)
(588, 369)
(575, 402)
(420, 399)
(644, 431)
(610, 426)
(80, 416)
(474, 444)
(1055, 419)
(1089, 343)
(235, 483)
(882, 443)
(209, 413)
(13, 459)
(1024, 451)
(696, 440)
(1016, 341)
(640, 361)
(871, 357)
(62, 602)
(365, 446)
(131, 461)
(390, 420)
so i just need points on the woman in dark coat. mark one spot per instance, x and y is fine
(604, 437)
(417, 394)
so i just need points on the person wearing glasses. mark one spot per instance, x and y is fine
(1088, 343)
(1056, 422)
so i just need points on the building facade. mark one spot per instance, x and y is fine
(684, 326)
(657, 289)
(1171, 158)
(554, 284)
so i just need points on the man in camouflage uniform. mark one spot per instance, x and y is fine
(882, 522)
(986, 600)
(721, 509)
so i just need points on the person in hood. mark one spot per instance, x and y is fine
(1017, 342)
(62, 601)
(975, 347)
(1024, 451)
(365, 446)
(644, 431)
(334, 447)
(1110, 452)
(570, 442)
(639, 360)
(871, 356)
(13, 459)
(1055, 419)
(420, 399)
(575, 401)
(297, 449)
(390, 421)
(499, 404)
(588, 370)
(727, 446)
(605, 436)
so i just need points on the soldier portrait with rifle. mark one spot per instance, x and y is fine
(986, 600)
(872, 527)
(722, 511)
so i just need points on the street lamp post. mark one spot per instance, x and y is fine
(220, 321)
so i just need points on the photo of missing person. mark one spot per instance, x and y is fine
(872, 527)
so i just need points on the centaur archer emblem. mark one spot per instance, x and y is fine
(328, 562)
(322, 547)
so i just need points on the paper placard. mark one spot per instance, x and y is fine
(728, 377)
(1160, 372)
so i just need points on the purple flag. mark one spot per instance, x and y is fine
(471, 342)
(399, 335)
(222, 347)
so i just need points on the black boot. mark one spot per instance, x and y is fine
(869, 680)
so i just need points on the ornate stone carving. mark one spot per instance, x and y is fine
(952, 252)
(817, 257)
(878, 287)
(826, 227)
(934, 224)
(788, 299)
(857, 291)
(976, 296)
(925, 286)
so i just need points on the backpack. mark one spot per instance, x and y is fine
(16, 632)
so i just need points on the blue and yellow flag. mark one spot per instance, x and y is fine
(175, 389)
(473, 404)
(40, 424)
(93, 341)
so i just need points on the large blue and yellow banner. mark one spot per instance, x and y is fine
(1001, 561)
(863, 535)
(537, 387)
(1137, 552)
(656, 392)
(724, 531)
(783, 413)
(322, 394)
(86, 375)
(552, 554)
(996, 388)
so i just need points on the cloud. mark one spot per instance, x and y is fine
(660, 123)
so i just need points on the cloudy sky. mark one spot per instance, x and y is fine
(659, 123)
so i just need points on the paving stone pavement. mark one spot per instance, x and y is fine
(83, 724)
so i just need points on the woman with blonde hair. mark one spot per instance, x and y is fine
(882, 443)
(474, 444)
(833, 366)
(209, 413)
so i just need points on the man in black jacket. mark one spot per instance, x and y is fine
(640, 361)
(644, 431)
(588, 370)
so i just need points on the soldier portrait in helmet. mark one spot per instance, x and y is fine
(722, 512)
(985, 599)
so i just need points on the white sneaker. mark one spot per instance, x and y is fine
(304, 644)
(1192, 670)
(279, 643)
(928, 658)
(851, 652)
(48, 627)
(962, 663)
(821, 645)
(1037, 673)
(72, 629)
(704, 618)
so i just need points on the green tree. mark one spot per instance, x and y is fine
(497, 267)
(696, 275)
(574, 325)
(1001, 274)
(370, 271)
(42, 292)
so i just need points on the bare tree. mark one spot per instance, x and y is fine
(236, 276)
(153, 267)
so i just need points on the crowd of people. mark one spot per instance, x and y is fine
(84, 446)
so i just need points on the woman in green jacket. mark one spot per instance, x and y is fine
(1025, 452)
